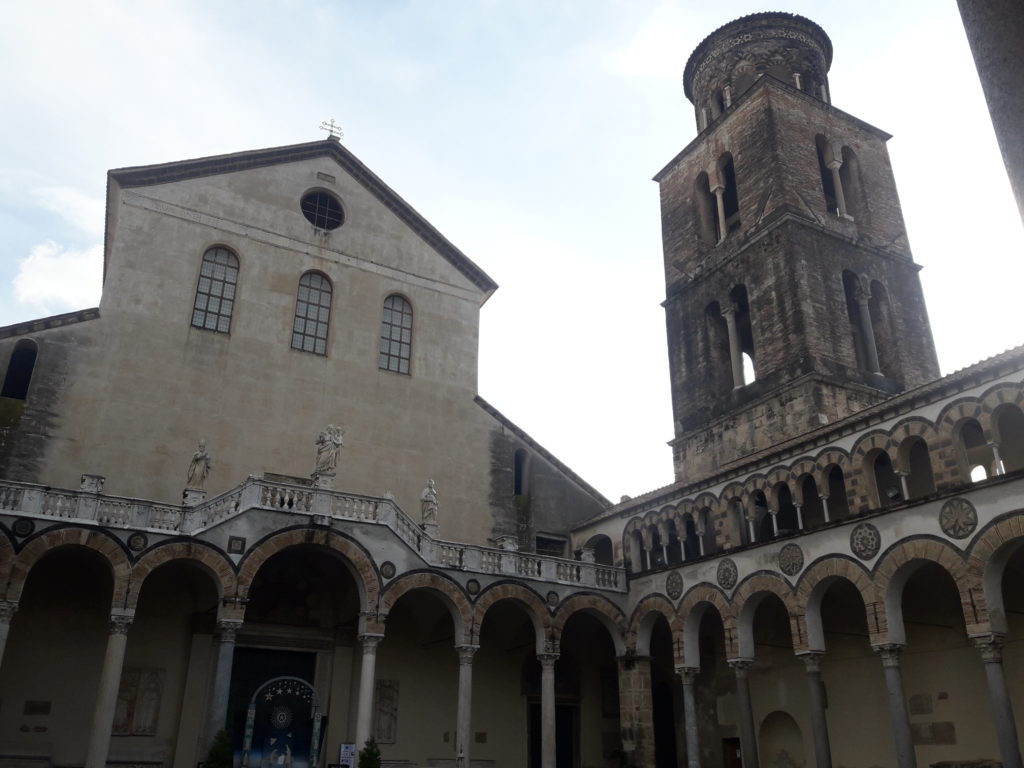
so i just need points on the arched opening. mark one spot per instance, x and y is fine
(719, 364)
(762, 517)
(779, 740)
(882, 327)
(852, 290)
(853, 189)
(663, 707)
(813, 510)
(787, 516)
(920, 480)
(738, 522)
(888, 488)
(657, 548)
(838, 502)
(772, 651)
(976, 459)
(730, 195)
(828, 186)
(55, 651)
(1010, 426)
(19, 370)
(717, 104)
(301, 600)
(691, 544)
(707, 210)
(637, 555)
(675, 544)
(744, 331)
(706, 530)
(602, 547)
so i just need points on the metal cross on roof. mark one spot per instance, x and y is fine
(333, 129)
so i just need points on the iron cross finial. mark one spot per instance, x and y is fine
(332, 128)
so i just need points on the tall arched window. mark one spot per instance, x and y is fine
(19, 370)
(312, 313)
(827, 180)
(730, 195)
(395, 335)
(707, 210)
(215, 293)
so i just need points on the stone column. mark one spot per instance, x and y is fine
(863, 296)
(735, 353)
(775, 521)
(689, 677)
(720, 200)
(904, 486)
(106, 698)
(837, 182)
(464, 717)
(991, 648)
(748, 737)
(997, 460)
(547, 708)
(816, 699)
(899, 720)
(635, 716)
(7, 611)
(824, 507)
(224, 653)
(367, 676)
(752, 530)
(799, 516)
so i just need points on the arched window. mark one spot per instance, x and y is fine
(786, 517)
(888, 487)
(395, 335)
(1010, 428)
(707, 210)
(730, 195)
(920, 480)
(975, 452)
(859, 314)
(812, 510)
(312, 313)
(838, 503)
(744, 333)
(215, 292)
(719, 367)
(19, 370)
(691, 546)
(763, 517)
(849, 177)
(880, 310)
(738, 522)
(675, 544)
(827, 181)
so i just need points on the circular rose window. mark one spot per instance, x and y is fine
(322, 210)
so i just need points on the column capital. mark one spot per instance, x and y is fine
(547, 659)
(740, 666)
(228, 629)
(811, 660)
(890, 653)
(688, 674)
(990, 646)
(718, 189)
(7, 610)
(466, 653)
(120, 622)
(369, 641)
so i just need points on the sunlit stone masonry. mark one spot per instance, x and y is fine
(256, 490)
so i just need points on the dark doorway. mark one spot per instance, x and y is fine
(664, 726)
(566, 734)
(253, 667)
(731, 754)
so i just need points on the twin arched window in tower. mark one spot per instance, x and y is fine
(718, 202)
(840, 179)
(871, 326)
(730, 341)
(215, 302)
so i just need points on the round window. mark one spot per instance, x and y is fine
(322, 210)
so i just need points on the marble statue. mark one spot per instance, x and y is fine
(199, 469)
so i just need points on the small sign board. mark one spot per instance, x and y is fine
(347, 756)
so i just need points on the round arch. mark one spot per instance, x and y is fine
(692, 609)
(749, 595)
(450, 593)
(212, 561)
(536, 609)
(813, 585)
(641, 623)
(600, 608)
(987, 562)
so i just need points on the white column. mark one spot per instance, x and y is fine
(689, 677)
(106, 698)
(217, 712)
(816, 698)
(991, 648)
(720, 199)
(735, 353)
(7, 610)
(464, 716)
(996, 459)
(899, 720)
(748, 735)
(775, 521)
(824, 507)
(799, 516)
(367, 676)
(866, 329)
(837, 182)
(547, 709)
(903, 484)
(753, 533)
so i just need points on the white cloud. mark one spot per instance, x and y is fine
(53, 279)
(78, 209)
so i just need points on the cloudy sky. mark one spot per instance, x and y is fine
(527, 131)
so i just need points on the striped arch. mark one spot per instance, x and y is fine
(57, 538)
(813, 585)
(830, 457)
(641, 623)
(999, 395)
(748, 596)
(916, 427)
(536, 609)
(600, 608)
(692, 609)
(868, 443)
(800, 469)
(211, 560)
(986, 564)
(955, 413)
(685, 508)
(352, 554)
(448, 591)
(902, 559)
(752, 485)
(778, 476)
(706, 501)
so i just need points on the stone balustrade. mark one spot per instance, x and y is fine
(322, 505)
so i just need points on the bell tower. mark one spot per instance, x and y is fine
(792, 298)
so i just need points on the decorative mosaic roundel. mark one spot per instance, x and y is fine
(387, 569)
(958, 518)
(727, 573)
(281, 716)
(473, 587)
(865, 541)
(791, 559)
(674, 585)
(137, 542)
(23, 527)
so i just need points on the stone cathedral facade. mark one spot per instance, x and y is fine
(256, 489)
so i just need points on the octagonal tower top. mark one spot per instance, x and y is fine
(731, 59)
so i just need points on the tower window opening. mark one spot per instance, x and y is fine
(748, 369)
(707, 214)
(882, 328)
(744, 335)
(827, 182)
(717, 104)
(853, 189)
(19, 370)
(858, 313)
(730, 196)
(1009, 422)
(978, 474)
(718, 350)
